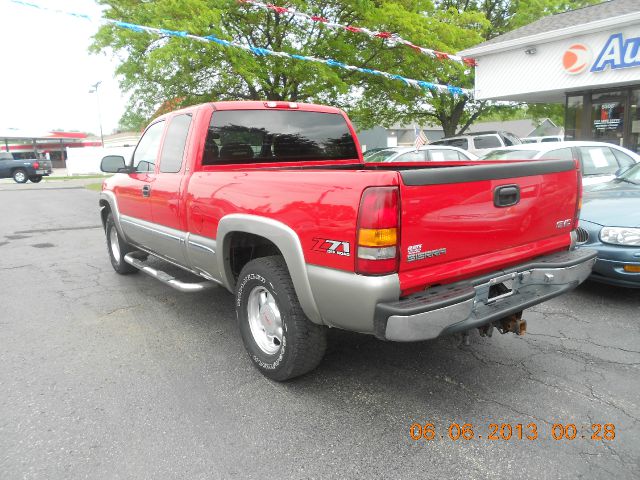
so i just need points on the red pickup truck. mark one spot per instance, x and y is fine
(272, 201)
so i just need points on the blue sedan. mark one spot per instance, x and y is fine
(610, 223)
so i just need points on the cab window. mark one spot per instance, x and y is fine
(174, 143)
(458, 142)
(144, 158)
(487, 141)
(237, 137)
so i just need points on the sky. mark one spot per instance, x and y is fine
(47, 71)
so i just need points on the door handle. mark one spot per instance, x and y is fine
(506, 195)
(146, 191)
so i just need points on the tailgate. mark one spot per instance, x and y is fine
(461, 221)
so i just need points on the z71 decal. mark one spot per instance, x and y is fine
(335, 247)
(414, 252)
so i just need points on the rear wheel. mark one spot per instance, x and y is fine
(35, 178)
(20, 176)
(117, 248)
(281, 341)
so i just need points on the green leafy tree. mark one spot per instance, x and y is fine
(158, 69)
(455, 114)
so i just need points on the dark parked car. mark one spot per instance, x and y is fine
(610, 223)
(22, 170)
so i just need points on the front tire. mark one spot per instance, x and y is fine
(35, 178)
(117, 248)
(281, 341)
(20, 175)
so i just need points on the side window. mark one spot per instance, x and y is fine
(623, 159)
(144, 158)
(174, 143)
(487, 141)
(443, 155)
(558, 154)
(458, 142)
(418, 156)
(598, 161)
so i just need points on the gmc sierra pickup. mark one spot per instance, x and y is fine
(272, 201)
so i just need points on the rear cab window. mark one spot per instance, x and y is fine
(487, 141)
(458, 142)
(254, 136)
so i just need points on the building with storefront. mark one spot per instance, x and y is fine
(588, 59)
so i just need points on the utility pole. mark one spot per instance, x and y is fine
(94, 89)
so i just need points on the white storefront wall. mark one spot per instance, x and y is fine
(536, 72)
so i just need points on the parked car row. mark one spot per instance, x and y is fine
(599, 161)
(427, 153)
(479, 143)
(610, 224)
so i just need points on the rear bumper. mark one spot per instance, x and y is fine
(458, 307)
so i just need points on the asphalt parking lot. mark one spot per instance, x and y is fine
(106, 376)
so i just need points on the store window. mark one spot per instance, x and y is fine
(633, 141)
(573, 122)
(607, 117)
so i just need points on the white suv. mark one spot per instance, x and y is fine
(480, 142)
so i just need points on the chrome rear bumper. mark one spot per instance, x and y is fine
(458, 307)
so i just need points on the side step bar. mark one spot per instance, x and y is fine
(187, 287)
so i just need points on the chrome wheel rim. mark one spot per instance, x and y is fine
(265, 321)
(115, 246)
(20, 176)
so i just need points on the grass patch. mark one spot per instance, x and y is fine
(96, 187)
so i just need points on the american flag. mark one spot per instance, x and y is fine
(421, 138)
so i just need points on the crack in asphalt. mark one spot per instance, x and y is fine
(59, 229)
(15, 267)
(564, 337)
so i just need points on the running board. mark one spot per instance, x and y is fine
(187, 287)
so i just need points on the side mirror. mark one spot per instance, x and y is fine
(622, 170)
(112, 164)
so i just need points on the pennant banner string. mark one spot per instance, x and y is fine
(371, 33)
(261, 52)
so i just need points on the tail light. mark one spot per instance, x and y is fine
(576, 216)
(378, 231)
(36, 165)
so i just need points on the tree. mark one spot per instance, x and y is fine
(457, 113)
(156, 69)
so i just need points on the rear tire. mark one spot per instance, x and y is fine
(35, 178)
(117, 248)
(281, 341)
(20, 175)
